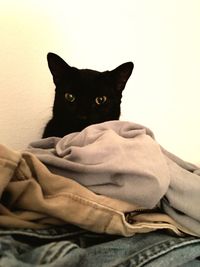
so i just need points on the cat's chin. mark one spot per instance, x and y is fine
(82, 118)
(84, 124)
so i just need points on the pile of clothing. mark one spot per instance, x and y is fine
(109, 195)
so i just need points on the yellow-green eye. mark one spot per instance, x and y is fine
(69, 97)
(100, 100)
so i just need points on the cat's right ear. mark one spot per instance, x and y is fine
(57, 66)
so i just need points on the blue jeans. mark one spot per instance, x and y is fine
(74, 247)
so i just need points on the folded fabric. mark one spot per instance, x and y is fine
(33, 197)
(116, 159)
(122, 160)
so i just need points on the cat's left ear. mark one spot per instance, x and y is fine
(122, 74)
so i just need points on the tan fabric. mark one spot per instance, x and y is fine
(32, 197)
(122, 160)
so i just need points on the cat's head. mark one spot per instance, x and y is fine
(87, 96)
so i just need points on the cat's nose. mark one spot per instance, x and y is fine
(82, 117)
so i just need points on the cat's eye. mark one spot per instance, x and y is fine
(69, 97)
(100, 100)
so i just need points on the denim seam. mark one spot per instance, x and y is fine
(66, 249)
(50, 257)
(161, 252)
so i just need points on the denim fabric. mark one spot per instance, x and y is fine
(152, 250)
(73, 247)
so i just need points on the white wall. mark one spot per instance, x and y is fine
(161, 37)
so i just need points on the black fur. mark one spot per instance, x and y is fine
(84, 97)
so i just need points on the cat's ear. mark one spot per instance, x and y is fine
(57, 66)
(122, 74)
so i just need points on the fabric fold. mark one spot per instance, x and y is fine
(116, 159)
(122, 160)
(33, 197)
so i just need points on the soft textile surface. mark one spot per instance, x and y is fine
(32, 197)
(122, 160)
(72, 249)
(116, 159)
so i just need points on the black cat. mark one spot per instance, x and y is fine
(84, 97)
